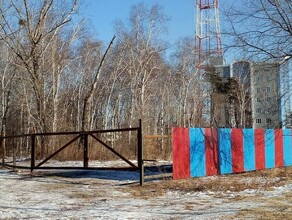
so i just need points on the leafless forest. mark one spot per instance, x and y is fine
(56, 76)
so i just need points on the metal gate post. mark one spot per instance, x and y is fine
(33, 154)
(85, 151)
(14, 157)
(140, 152)
(3, 146)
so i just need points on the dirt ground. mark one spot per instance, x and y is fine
(274, 206)
(265, 194)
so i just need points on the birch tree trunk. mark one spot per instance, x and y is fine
(88, 96)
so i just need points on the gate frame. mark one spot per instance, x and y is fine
(84, 135)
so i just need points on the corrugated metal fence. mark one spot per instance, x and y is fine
(211, 151)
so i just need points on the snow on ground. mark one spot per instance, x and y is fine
(95, 194)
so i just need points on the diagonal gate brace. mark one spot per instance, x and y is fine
(113, 151)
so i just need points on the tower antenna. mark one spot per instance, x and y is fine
(208, 47)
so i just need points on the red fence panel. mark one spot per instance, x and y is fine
(237, 150)
(260, 149)
(279, 156)
(181, 153)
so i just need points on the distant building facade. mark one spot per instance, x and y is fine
(285, 85)
(265, 95)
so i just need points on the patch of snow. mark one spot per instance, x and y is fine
(101, 194)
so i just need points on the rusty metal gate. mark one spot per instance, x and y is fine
(78, 135)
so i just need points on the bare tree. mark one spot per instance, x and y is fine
(28, 28)
(143, 57)
(239, 103)
(262, 28)
(57, 63)
(7, 75)
(93, 87)
(187, 85)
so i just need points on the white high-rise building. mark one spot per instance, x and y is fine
(285, 85)
(265, 100)
(263, 97)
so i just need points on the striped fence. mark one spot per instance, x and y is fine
(211, 151)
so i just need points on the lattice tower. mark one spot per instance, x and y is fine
(208, 37)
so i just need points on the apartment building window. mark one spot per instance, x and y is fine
(268, 121)
(258, 89)
(258, 120)
(258, 110)
(258, 100)
(269, 110)
(268, 89)
(268, 99)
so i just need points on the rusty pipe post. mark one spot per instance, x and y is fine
(14, 157)
(140, 152)
(33, 153)
(85, 151)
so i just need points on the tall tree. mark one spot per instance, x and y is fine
(262, 28)
(7, 75)
(144, 57)
(92, 89)
(187, 85)
(28, 28)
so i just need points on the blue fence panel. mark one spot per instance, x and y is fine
(225, 152)
(270, 148)
(287, 147)
(249, 149)
(197, 152)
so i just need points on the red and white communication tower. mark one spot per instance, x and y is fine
(208, 47)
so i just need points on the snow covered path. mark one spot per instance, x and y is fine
(110, 195)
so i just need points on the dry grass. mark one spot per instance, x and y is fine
(53, 187)
(263, 179)
(275, 208)
(87, 196)
(156, 148)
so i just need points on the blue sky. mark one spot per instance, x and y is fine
(103, 13)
